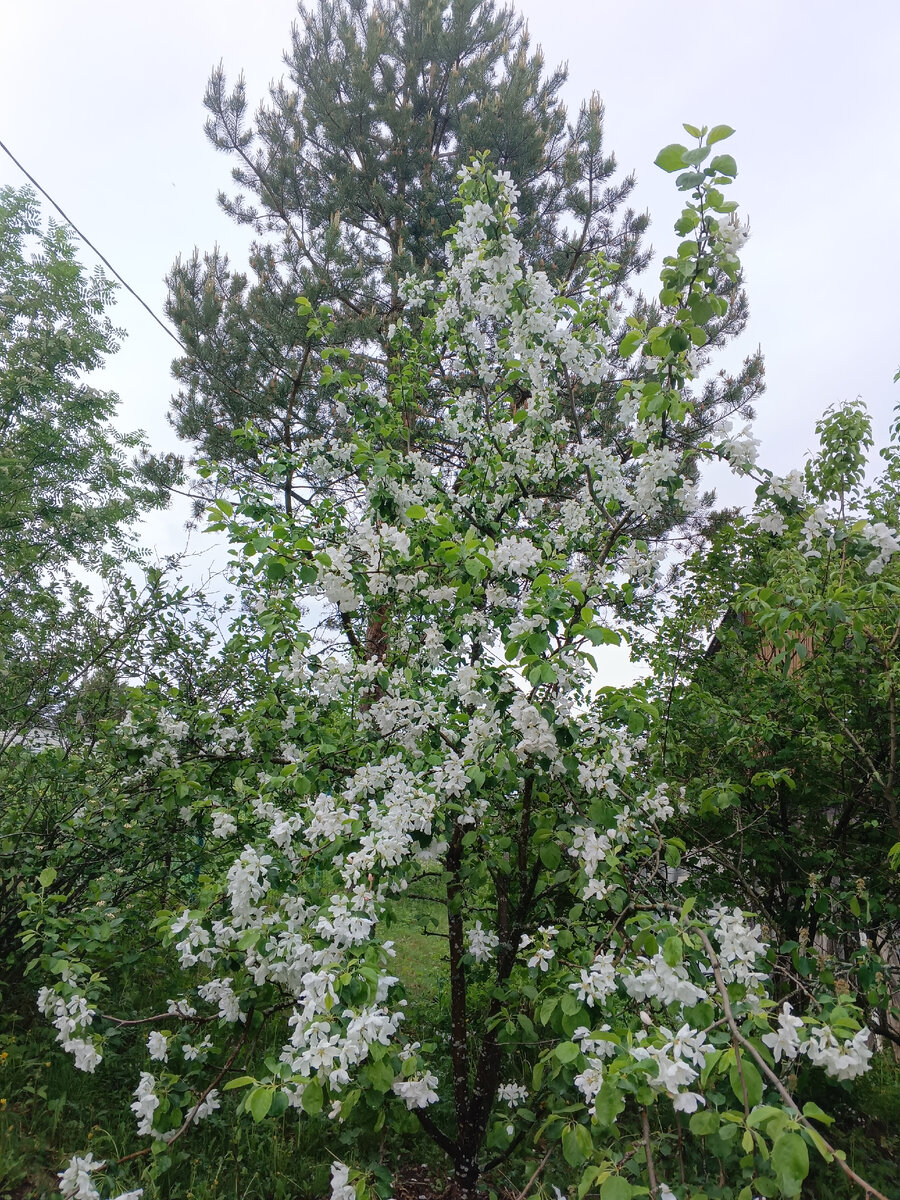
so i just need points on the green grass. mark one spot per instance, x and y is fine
(418, 928)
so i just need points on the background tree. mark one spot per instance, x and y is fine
(347, 176)
(68, 499)
(784, 727)
(67, 491)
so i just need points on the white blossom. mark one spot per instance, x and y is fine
(482, 943)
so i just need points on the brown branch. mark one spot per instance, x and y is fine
(531, 1182)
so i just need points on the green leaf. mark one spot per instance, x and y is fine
(812, 1110)
(719, 133)
(609, 1103)
(790, 1160)
(312, 1098)
(671, 158)
(752, 1082)
(547, 1009)
(725, 165)
(416, 512)
(249, 938)
(692, 130)
(242, 1081)
(672, 951)
(630, 342)
(616, 1188)
(763, 1113)
(550, 855)
(259, 1102)
(46, 877)
(577, 1145)
(704, 1122)
(381, 1074)
(694, 157)
(587, 1181)
(566, 1052)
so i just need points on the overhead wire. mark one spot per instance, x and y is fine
(207, 370)
(87, 241)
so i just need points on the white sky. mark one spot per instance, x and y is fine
(102, 102)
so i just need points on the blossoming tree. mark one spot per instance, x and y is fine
(432, 613)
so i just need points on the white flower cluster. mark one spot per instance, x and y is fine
(220, 992)
(417, 1091)
(732, 237)
(537, 736)
(770, 521)
(341, 1187)
(514, 556)
(817, 523)
(543, 955)
(840, 1060)
(224, 824)
(76, 1183)
(885, 541)
(158, 1046)
(482, 943)
(513, 1094)
(593, 849)
(658, 981)
(598, 982)
(739, 947)
(595, 1050)
(145, 1104)
(789, 487)
(678, 1063)
(741, 449)
(71, 1017)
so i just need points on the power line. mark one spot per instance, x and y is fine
(87, 241)
(197, 359)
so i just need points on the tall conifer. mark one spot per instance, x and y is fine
(347, 173)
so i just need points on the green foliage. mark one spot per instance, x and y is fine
(783, 728)
(66, 489)
(225, 793)
(68, 497)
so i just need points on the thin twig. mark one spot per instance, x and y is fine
(189, 1119)
(531, 1182)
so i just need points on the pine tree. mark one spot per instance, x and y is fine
(347, 176)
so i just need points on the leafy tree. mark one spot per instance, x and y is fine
(784, 728)
(66, 488)
(590, 1002)
(68, 493)
(347, 176)
(68, 496)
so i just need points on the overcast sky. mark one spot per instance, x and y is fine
(102, 102)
